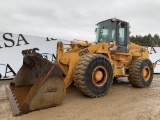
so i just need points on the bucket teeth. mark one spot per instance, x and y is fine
(13, 102)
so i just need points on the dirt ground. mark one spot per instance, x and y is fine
(122, 102)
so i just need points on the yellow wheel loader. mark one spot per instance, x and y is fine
(91, 66)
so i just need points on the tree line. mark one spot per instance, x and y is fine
(146, 40)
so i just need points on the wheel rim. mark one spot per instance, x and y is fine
(146, 73)
(99, 76)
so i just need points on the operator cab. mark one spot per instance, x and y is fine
(114, 31)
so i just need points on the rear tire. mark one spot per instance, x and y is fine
(140, 72)
(93, 75)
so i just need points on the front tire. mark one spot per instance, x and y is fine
(140, 72)
(93, 75)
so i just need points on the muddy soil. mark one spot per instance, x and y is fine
(122, 102)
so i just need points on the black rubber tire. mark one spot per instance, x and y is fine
(135, 72)
(83, 75)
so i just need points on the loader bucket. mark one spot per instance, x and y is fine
(37, 85)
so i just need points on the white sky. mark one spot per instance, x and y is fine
(76, 19)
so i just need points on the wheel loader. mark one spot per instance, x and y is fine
(91, 66)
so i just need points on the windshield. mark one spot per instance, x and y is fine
(105, 32)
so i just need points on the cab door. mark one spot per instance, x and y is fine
(122, 36)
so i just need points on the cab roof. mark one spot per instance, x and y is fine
(112, 19)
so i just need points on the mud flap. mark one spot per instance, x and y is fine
(37, 85)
